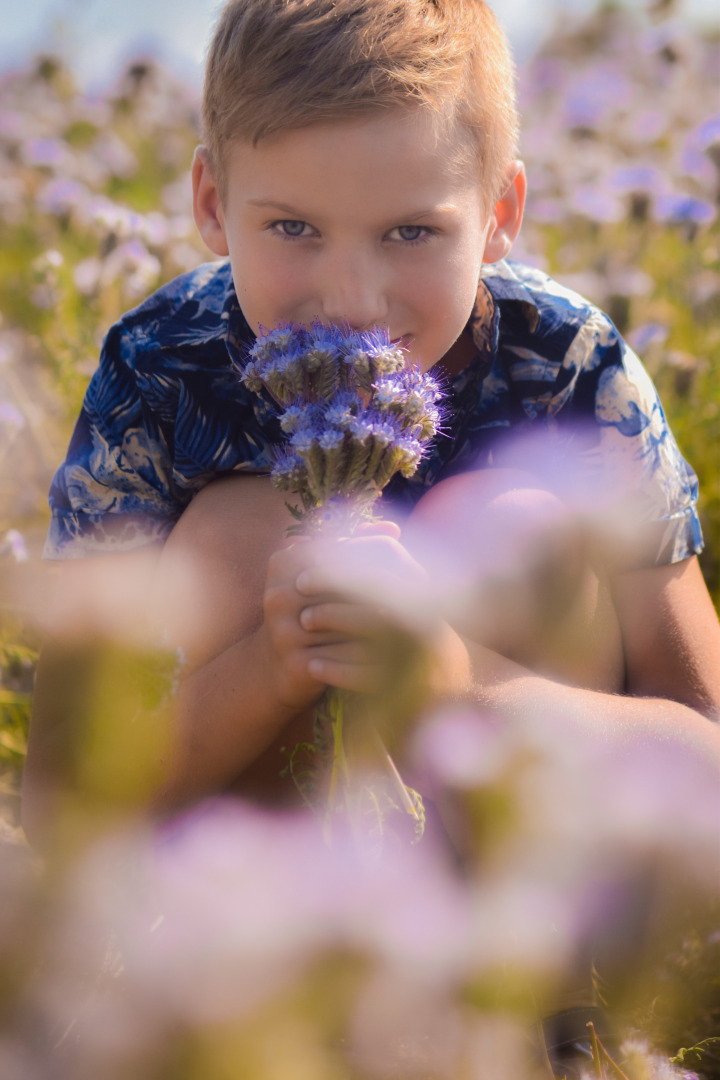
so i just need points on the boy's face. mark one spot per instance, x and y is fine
(367, 221)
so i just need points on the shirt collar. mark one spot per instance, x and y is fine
(501, 298)
(508, 291)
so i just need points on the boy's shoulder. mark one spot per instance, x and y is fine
(195, 308)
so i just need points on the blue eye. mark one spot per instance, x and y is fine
(410, 232)
(411, 235)
(292, 228)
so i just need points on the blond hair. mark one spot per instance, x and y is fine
(275, 65)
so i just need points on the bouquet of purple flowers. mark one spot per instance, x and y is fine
(355, 414)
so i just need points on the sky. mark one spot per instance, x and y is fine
(96, 36)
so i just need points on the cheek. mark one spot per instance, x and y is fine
(268, 288)
(249, 297)
(451, 291)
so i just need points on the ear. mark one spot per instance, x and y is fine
(207, 207)
(507, 215)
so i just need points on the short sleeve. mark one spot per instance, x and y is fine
(641, 472)
(114, 491)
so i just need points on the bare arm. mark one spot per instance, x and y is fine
(248, 688)
(623, 653)
(671, 635)
(227, 592)
(203, 594)
(671, 641)
(219, 597)
(223, 592)
(649, 664)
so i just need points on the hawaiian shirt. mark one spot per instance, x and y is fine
(166, 412)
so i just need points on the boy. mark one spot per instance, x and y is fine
(359, 167)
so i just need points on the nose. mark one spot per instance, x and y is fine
(354, 291)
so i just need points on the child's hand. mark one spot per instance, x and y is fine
(350, 613)
(354, 593)
(322, 618)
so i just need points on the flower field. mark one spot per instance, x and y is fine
(232, 942)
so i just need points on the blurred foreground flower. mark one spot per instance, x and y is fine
(13, 543)
(231, 941)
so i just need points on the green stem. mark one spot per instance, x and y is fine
(595, 1052)
(600, 1055)
(697, 1050)
(400, 786)
(339, 764)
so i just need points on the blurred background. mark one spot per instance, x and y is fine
(95, 36)
(98, 121)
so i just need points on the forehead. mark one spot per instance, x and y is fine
(394, 151)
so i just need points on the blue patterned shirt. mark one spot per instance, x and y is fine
(165, 412)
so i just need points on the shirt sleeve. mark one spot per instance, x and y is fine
(643, 483)
(114, 491)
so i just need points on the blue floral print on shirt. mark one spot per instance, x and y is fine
(165, 412)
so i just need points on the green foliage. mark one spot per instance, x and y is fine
(684, 1009)
(17, 663)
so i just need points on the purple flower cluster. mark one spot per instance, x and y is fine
(354, 412)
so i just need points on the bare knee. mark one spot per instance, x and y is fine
(511, 562)
(492, 525)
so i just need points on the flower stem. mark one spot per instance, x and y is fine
(601, 1057)
(336, 712)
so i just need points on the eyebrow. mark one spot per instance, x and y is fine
(293, 212)
(282, 207)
